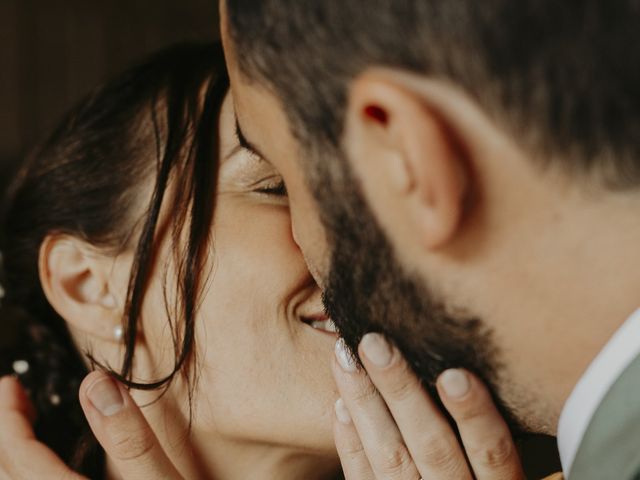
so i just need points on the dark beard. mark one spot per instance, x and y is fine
(368, 291)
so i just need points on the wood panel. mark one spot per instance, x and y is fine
(53, 51)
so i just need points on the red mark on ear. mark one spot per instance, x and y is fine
(376, 114)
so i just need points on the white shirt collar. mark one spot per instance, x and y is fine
(604, 370)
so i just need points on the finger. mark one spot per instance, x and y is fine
(123, 431)
(429, 437)
(355, 464)
(485, 435)
(381, 439)
(13, 397)
(22, 456)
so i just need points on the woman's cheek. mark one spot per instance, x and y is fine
(239, 382)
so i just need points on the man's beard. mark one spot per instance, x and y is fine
(367, 290)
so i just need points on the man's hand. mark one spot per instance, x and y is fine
(387, 426)
(115, 419)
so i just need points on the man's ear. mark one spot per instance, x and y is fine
(75, 280)
(411, 161)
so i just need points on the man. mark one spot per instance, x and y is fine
(476, 166)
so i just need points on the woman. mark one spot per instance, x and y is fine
(113, 249)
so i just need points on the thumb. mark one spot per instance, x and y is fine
(123, 431)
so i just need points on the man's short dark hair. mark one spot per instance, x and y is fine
(563, 77)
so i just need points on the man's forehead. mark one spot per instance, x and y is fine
(261, 117)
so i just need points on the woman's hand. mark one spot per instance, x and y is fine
(120, 428)
(387, 426)
(22, 456)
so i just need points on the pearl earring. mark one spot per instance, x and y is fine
(118, 333)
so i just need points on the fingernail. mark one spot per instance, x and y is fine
(105, 395)
(377, 349)
(342, 414)
(455, 383)
(344, 356)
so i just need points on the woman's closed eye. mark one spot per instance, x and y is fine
(243, 171)
(275, 187)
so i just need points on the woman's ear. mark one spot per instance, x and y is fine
(75, 280)
(408, 159)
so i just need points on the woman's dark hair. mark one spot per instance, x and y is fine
(156, 121)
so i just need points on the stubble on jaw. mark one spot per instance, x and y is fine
(367, 290)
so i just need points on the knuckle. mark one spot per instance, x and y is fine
(129, 446)
(352, 449)
(439, 454)
(402, 388)
(494, 454)
(365, 394)
(471, 411)
(400, 383)
(395, 460)
(478, 405)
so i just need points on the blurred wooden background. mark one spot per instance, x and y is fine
(54, 51)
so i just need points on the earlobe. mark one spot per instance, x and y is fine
(404, 150)
(75, 281)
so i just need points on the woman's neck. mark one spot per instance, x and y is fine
(209, 456)
(266, 462)
(234, 459)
